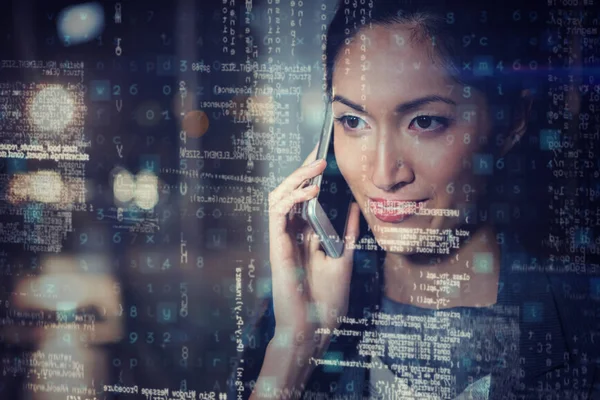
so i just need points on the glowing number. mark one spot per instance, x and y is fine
(133, 312)
(533, 65)
(533, 16)
(466, 41)
(333, 213)
(366, 263)
(117, 237)
(333, 188)
(133, 336)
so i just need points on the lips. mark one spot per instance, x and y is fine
(394, 210)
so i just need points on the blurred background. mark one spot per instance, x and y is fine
(138, 143)
(139, 140)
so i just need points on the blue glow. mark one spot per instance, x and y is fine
(80, 23)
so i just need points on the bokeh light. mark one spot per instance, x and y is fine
(80, 23)
(18, 188)
(46, 186)
(123, 185)
(195, 123)
(52, 108)
(146, 190)
(142, 188)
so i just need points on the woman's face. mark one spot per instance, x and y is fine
(407, 136)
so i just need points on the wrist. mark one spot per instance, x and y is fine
(314, 343)
(285, 371)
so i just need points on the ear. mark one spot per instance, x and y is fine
(519, 121)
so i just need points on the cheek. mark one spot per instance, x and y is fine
(439, 164)
(446, 165)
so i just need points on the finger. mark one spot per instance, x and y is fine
(312, 156)
(296, 210)
(287, 203)
(308, 160)
(315, 243)
(293, 212)
(278, 211)
(352, 230)
(308, 234)
(295, 179)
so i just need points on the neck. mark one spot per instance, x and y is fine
(464, 278)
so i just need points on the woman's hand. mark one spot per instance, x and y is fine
(310, 289)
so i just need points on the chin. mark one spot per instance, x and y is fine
(389, 236)
(391, 244)
(394, 237)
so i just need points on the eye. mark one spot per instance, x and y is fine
(351, 122)
(429, 123)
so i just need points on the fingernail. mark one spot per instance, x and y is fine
(314, 163)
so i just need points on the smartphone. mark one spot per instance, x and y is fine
(327, 213)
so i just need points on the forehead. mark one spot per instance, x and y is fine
(389, 61)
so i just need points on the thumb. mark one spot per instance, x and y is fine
(352, 230)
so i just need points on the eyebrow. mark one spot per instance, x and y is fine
(400, 108)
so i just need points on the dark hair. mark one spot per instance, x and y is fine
(465, 33)
(468, 32)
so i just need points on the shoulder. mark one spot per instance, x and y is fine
(557, 324)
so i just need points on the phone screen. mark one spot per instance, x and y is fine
(335, 195)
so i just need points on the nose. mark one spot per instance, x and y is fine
(391, 166)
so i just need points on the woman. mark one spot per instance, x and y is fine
(424, 118)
